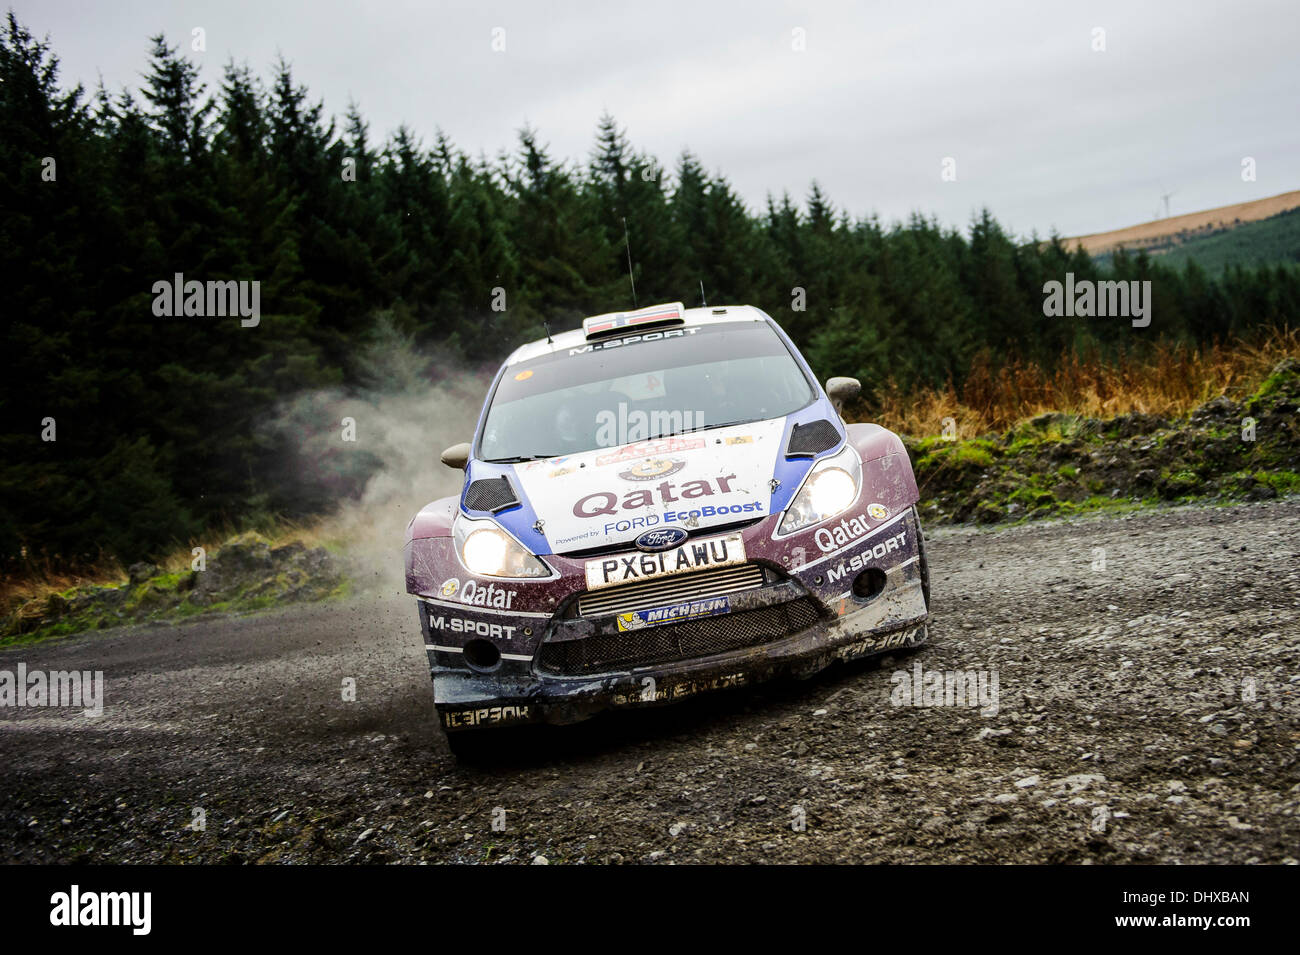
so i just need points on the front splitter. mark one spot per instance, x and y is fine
(468, 701)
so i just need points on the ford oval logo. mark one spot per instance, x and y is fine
(661, 538)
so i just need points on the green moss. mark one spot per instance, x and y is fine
(188, 608)
(1032, 497)
(1047, 429)
(1058, 464)
(181, 580)
(1276, 384)
(248, 537)
(258, 603)
(919, 446)
(934, 457)
(1179, 483)
(150, 596)
(976, 453)
(1100, 503)
(1284, 482)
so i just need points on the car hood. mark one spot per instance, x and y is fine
(611, 496)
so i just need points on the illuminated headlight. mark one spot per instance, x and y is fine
(485, 549)
(830, 489)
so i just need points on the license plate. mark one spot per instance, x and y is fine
(693, 555)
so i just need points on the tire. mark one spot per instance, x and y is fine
(925, 565)
(470, 746)
(490, 745)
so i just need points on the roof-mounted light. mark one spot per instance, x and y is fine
(613, 322)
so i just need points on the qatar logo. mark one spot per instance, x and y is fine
(661, 539)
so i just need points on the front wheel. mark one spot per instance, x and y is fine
(920, 553)
(470, 746)
(499, 743)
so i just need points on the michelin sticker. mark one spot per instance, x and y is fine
(674, 613)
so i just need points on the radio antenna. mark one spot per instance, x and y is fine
(703, 302)
(628, 244)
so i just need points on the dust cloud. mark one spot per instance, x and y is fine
(375, 450)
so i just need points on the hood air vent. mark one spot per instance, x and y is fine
(490, 494)
(808, 440)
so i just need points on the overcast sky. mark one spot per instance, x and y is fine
(1045, 131)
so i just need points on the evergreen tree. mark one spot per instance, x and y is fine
(162, 422)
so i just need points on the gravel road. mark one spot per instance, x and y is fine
(1148, 681)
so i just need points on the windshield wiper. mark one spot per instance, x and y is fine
(726, 424)
(518, 459)
(704, 427)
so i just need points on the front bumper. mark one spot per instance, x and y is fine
(540, 679)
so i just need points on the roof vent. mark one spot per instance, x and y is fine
(490, 494)
(809, 440)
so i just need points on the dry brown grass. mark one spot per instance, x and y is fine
(44, 579)
(1169, 380)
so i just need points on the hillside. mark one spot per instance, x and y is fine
(1272, 241)
(1164, 234)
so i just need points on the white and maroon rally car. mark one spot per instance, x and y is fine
(660, 504)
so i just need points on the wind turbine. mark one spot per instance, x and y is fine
(1165, 198)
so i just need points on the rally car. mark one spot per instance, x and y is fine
(660, 504)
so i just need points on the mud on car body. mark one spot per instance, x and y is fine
(661, 504)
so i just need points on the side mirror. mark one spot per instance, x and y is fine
(457, 456)
(840, 390)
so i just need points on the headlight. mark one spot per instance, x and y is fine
(830, 489)
(485, 549)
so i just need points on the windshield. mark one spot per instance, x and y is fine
(615, 391)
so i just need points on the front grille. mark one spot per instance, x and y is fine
(670, 590)
(689, 640)
(812, 438)
(490, 494)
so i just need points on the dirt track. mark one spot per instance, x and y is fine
(1121, 736)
